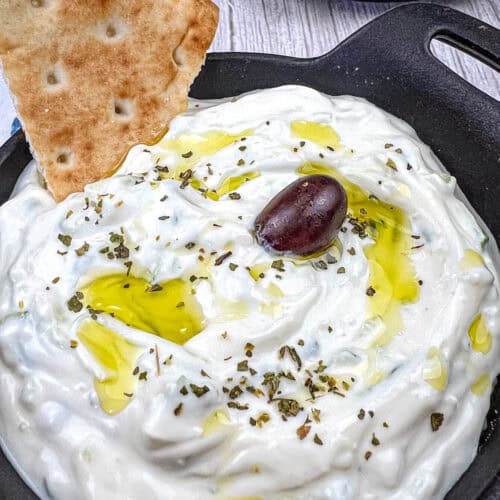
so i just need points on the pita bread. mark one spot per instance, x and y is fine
(92, 78)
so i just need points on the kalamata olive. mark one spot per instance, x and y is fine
(304, 217)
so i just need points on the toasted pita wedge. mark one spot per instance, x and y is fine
(92, 78)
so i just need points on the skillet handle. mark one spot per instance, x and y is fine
(474, 37)
(459, 30)
(390, 63)
(407, 31)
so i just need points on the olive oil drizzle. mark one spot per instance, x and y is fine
(227, 186)
(192, 148)
(319, 133)
(435, 370)
(471, 259)
(259, 270)
(481, 385)
(217, 421)
(167, 309)
(230, 184)
(392, 274)
(479, 335)
(118, 357)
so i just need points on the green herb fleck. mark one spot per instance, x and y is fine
(115, 238)
(436, 421)
(272, 381)
(249, 349)
(303, 431)
(316, 415)
(262, 419)
(82, 250)
(243, 366)
(288, 407)
(317, 440)
(279, 265)
(293, 354)
(222, 258)
(198, 390)
(235, 392)
(65, 239)
(390, 163)
(121, 251)
(237, 406)
(74, 304)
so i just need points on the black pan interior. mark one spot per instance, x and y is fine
(388, 62)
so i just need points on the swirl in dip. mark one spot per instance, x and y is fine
(150, 348)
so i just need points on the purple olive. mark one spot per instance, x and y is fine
(304, 217)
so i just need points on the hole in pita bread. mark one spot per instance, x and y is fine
(54, 77)
(112, 30)
(122, 108)
(64, 158)
(37, 3)
(178, 56)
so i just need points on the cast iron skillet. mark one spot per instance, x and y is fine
(388, 62)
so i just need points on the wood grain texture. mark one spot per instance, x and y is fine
(306, 28)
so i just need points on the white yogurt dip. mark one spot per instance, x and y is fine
(216, 370)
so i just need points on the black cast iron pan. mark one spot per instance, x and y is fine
(388, 62)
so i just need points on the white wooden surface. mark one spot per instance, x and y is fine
(305, 28)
